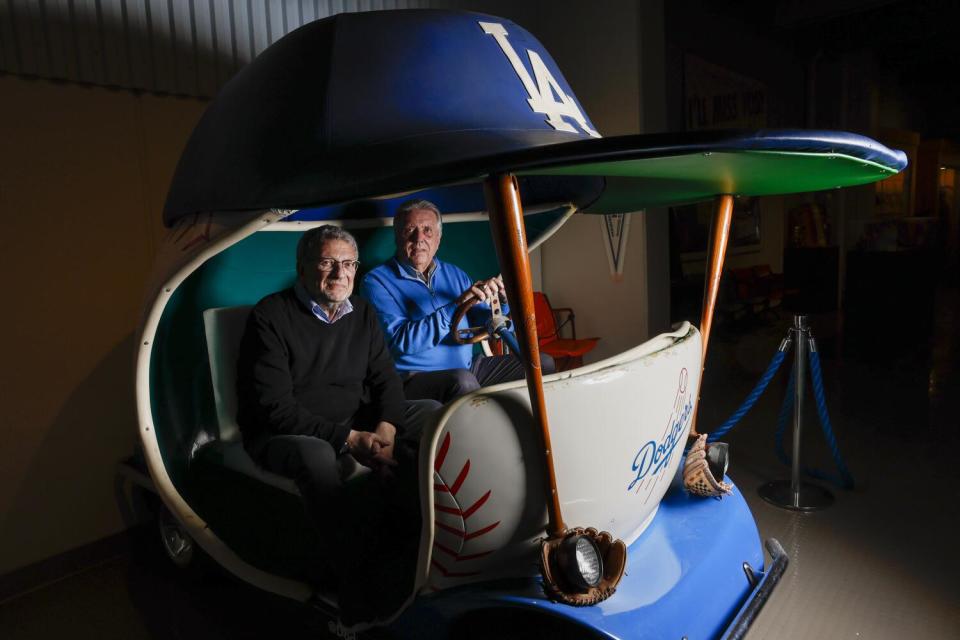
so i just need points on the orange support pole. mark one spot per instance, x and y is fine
(509, 236)
(718, 251)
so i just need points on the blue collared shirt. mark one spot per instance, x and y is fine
(314, 308)
(417, 317)
(426, 277)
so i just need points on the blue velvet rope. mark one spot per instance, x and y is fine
(751, 400)
(785, 409)
(846, 479)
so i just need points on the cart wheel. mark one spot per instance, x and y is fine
(176, 542)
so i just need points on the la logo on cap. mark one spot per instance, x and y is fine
(543, 90)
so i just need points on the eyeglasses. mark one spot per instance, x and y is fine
(327, 264)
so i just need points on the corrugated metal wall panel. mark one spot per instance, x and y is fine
(7, 48)
(184, 48)
(61, 39)
(38, 24)
(23, 25)
(86, 22)
(160, 35)
(275, 20)
(294, 12)
(242, 35)
(308, 9)
(113, 27)
(225, 46)
(259, 30)
(50, 30)
(188, 47)
(139, 45)
(205, 47)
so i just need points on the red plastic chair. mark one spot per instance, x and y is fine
(568, 354)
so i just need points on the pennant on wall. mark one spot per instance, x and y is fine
(615, 228)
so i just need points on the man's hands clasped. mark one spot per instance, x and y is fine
(375, 449)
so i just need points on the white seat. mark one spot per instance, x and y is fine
(224, 329)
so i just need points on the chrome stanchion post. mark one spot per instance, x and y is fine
(796, 494)
(799, 367)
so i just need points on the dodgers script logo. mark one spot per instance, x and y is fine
(542, 91)
(654, 456)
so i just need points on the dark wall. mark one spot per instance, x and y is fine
(740, 44)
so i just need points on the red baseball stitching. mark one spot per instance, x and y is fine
(442, 453)
(463, 534)
(464, 514)
(458, 557)
(470, 511)
(443, 488)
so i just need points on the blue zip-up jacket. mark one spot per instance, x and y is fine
(416, 318)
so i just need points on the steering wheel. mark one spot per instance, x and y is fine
(473, 335)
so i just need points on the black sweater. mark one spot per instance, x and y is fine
(297, 375)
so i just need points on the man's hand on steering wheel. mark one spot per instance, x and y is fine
(480, 291)
(483, 290)
(497, 287)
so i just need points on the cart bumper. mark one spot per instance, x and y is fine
(687, 576)
(765, 585)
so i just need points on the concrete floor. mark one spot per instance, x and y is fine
(877, 564)
(880, 562)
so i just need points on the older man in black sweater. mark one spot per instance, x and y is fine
(316, 381)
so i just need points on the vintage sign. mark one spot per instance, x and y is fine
(615, 228)
(717, 98)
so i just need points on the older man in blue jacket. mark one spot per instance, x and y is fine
(416, 296)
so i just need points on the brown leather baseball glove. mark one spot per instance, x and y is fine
(555, 586)
(697, 477)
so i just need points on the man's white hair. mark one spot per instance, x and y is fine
(405, 209)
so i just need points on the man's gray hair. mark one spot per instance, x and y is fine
(404, 210)
(308, 248)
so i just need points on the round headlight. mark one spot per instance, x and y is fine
(579, 559)
(718, 459)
